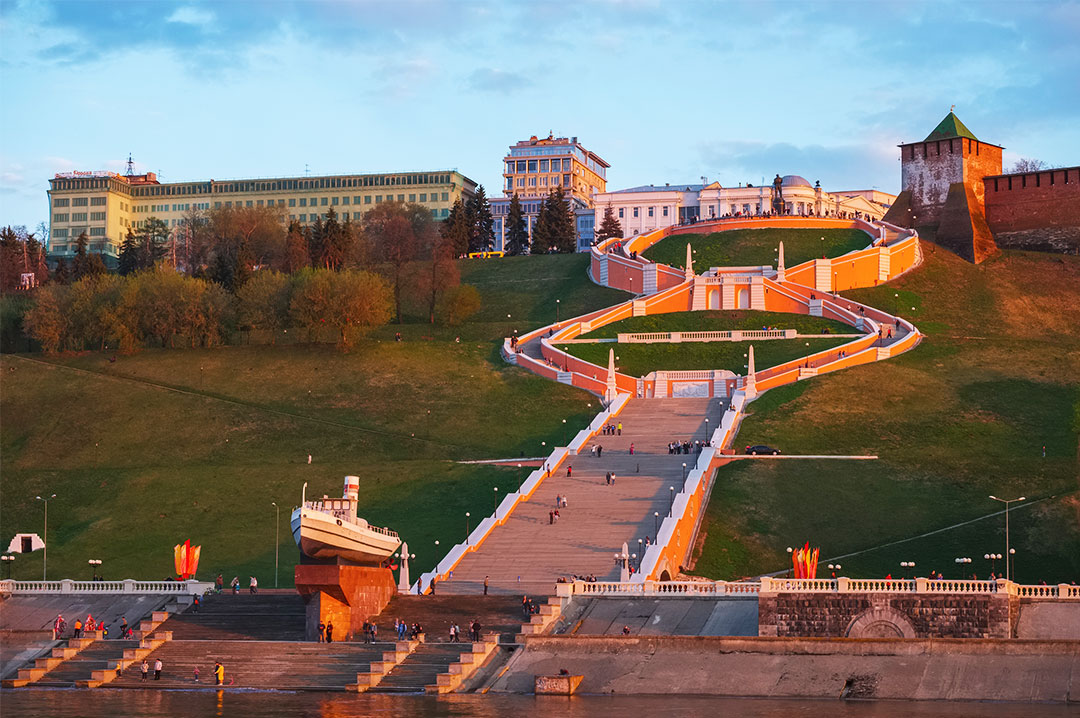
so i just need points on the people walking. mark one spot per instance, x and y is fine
(631, 448)
(235, 584)
(599, 451)
(569, 472)
(218, 583)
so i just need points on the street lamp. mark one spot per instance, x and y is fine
(671, 506)
(684, 472)
(906, 565)
(519, 475)
(706, 428)
(94, 563)
(45, 546)
(467, 514)
(564, 432)
(557, 310)
(993, 558)
(277, 538)
(961, 562)
(7, 559)
(656, 525)
(496, 498)
(1008, 552)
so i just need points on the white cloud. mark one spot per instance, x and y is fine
(188, 15)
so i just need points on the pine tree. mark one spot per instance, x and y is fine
(61, 275)
(517, 234)
(296, 249)
(151, 242)
(481, 230)
(561, 217)
(333, 244)
(315, 238)
(455, 229)
(129, 255)
(610, 227)
(542, 232)
(79, 265)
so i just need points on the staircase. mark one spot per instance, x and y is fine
(93, 666)
(45, 665)
(497, 614)
(266, 616)
(422, 668)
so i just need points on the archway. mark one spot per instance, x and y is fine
(665, 576)
(714, 299)
(880, 622)
(742, 299)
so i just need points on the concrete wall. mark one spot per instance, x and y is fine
(811, 668)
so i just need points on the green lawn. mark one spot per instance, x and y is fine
(751, 247)
(138, 468)
(964, 415)
(640, 359)
(713, 320)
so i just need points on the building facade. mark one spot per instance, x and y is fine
(105, 204)
(650, 207)
(534, 167)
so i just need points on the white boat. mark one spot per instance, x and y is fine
(328, 530)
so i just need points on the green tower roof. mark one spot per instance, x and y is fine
(951, 126)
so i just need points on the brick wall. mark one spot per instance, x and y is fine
(881, 615)
(929, 168)
(1034, 201)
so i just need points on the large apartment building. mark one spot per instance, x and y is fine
(535, 167)
(105, 204)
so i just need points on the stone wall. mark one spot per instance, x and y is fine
(928, 169)
(343, 595)
(878, 615)
(1035, 210)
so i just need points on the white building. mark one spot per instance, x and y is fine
(649, 207)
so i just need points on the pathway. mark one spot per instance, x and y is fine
(527, 553)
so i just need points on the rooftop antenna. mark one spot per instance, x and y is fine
(952, 108)
(130, 166)
(704, 180)
(307, 170)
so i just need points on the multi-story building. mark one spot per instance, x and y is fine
(535, 167)
(105, 204)
(649, 207)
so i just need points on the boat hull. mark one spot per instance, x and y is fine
(323, 537)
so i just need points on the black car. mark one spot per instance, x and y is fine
(761, 449)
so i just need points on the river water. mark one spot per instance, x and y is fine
(141, 703)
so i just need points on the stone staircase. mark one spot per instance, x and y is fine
(45, 665)
(267, 665)
(422, 668)
(95, 665)
(497, 614)
(266, 616)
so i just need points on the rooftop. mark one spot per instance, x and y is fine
(663, 188)
(951, 126)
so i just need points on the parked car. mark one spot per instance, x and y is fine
(761, 449)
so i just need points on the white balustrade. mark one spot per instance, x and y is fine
(129, 586)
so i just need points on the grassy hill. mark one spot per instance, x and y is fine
(964, 415)
(750, 247)
(163, 446)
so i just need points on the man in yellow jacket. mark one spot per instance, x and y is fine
(219, 673)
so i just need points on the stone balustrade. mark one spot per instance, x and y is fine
(128, 586)
(734, 335)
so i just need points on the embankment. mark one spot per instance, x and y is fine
(932, 669)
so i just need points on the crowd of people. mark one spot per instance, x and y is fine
(687, 447)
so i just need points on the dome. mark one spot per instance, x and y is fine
(794, 181)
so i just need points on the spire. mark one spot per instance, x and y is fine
(609, 395)
(624, 570)
(403, 575)
(780, 269)
(689, 262)
(951, 126)
(750, 386)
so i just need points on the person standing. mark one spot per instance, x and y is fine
(219, 673)
(599, 451)
(219, 583)
(157, 670)
(485, 585)
(78, 629)
(235, 584)
(196, 674)
(322, 631)
(145, 669)
(253, 585)
(619, 428)
(329, 631)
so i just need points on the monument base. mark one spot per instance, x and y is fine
(343, 595)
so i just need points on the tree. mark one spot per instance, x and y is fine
(543, 230)
(128, 261)
(332, 248)
(61, 275)
(1026, 164)
(610, 227)
(352, 302)
(196, 241)
(460, 303)
(46, 322)
(401, 233)
(151, 241)
(95, 313)
(517, 234)
(11, 260)
(561, 218)
(481, 229)
(263, 302)
(297, 255)
(442, 274)
(456, 229)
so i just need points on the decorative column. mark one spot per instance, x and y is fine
(781, 271)
(624, 569)
(750, 387)
(403, 574)
(689, 262)
(609, 394)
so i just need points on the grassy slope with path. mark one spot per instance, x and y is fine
(138, 468)
(750, 247)
(964, 415)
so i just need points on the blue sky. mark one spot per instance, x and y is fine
(665, 91)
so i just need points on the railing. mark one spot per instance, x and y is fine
(814, 585)
(727, 335)
(129, 585)
(346, 515)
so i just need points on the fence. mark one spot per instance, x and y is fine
(127, 586)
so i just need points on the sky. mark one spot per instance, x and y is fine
(664, 90)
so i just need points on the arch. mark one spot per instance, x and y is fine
(714, 299)
(880, 622)
(665, 576)
(742, 299)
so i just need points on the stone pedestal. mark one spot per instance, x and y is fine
(343, 595)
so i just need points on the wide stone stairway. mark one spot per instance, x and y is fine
(421, 668)
(499, 614)
(528, 553)
(100, 655)
(266, 616)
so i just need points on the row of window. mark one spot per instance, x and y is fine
(291, 184)
(552, 181)
(293, 202)
(534, 166)
(651, 211)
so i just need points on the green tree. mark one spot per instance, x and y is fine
(543, 232)
(151, 240)
(481, 229)
(561, 217)
(95, 314)
(128, 262)
(517, 234)
(459, 303)
(263, 302)
(47, 320)
(609, 227)
(401, 234)
(456, 229)
(61, 274)
(296, 249)
(333, 246)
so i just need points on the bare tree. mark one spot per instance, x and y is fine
(1027, 164)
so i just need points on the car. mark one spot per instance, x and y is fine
(761, 449)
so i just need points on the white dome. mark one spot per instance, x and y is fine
(794, 181)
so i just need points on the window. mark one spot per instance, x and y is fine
(59, 218)
(566, 165)
(412, 197)
(620, 212)
(97, 231)
(260, 203)
(635, 212)
(651, 210)
(345, 199)
(97, 216)
(445, 197)
(378, 199)
(303, 218)
(303, 202)
(334, 200)
(423, 196)
(61, 202)
(521, 182)
(78, 217)
(543, 165)
(521, 166)
(401, 198)
(566, 180)
(357, 215)
(314, 201)
(532, 181)
(356, 199)
(324, 201)
(57, 233)
(78, 202)
(665, 211)
(250, 203)
(367, 199)
(292, 202)
(97, 201)
(532, 165)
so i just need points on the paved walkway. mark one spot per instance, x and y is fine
(527, 554)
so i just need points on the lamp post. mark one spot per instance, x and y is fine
(277, 538)
(640, 551)
(993, 558)
(7, 559)
(684, 472)
(496, 498)
(557, 301)
(94, 563)
(564, 432)
(671, 505)
(45, 547)
(656, 525)
(706, 429)
(1008, 573)
(519, 475)
(834, 567)
(906, 565)
(467, 515)
(961, 562)
(789, 552)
